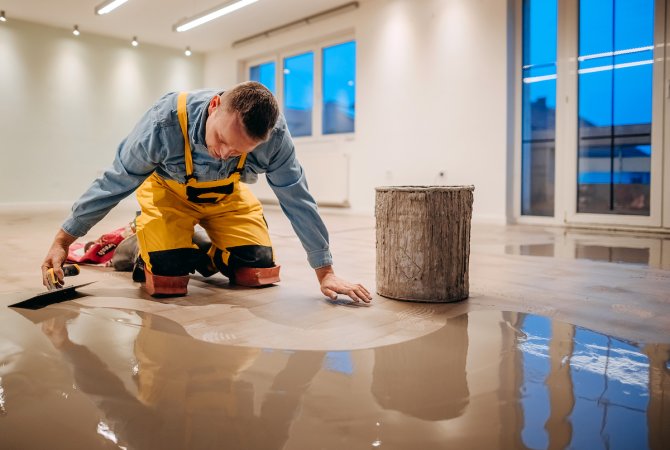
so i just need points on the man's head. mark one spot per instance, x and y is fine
(240, 119)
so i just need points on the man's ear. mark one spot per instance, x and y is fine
(214, 102)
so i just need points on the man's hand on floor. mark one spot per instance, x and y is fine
(331, 285)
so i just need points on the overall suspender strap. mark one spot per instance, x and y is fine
(240, 165)
(183, 123)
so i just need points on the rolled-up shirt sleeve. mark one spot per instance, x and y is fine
(287, 179)
(136, 158)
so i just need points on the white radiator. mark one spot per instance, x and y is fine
(327, 171)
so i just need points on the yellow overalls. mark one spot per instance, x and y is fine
(226, 209)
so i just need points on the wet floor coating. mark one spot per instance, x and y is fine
(72, 378)
(622, 247)
(628, 255)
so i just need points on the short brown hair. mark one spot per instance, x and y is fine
(256, 106)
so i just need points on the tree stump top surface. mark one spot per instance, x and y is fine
(425, 188)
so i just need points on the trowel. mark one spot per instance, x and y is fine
(56, 292)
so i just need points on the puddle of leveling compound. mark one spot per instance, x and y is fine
(486, 379)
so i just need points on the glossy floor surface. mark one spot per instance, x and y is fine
(564, 342)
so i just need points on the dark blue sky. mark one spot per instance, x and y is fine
(607, 95)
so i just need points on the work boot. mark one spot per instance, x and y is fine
(138, 270)
(162, 286)
(255, 276)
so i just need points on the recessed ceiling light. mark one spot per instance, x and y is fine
(75, 30)
(211, 14)
(187, 52)
(109, 5)
(135, 42)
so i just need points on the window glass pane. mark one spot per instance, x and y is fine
(339, 80)
(299, 93)
(538, 107)
(615, 105)
(539, 27)
(265, 74)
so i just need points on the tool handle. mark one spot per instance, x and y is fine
(69, 270)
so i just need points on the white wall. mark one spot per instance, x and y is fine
(66, 102)
(432, 95)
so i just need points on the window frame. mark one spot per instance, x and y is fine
(316, 47)
(566, 141)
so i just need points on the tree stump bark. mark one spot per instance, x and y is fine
(423, 242)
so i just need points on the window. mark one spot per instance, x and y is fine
(299, 93)
(316, 87)
(538, 107)
(616, 43)
(265, 74)
(593, 113)
(339, 79)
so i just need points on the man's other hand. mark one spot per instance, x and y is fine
(331, 285)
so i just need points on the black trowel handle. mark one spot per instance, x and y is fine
(69, 270)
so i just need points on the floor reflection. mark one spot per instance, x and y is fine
(646, 252)
(629, 255)
(485, 380)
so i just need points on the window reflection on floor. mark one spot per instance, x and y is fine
(625, 249)
(582, 389)
(610, 379)
(613, 254)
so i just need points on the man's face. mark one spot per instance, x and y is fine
(224, 132)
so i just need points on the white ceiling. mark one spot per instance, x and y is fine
(151, 20)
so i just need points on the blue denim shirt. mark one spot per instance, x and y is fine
(156, 144)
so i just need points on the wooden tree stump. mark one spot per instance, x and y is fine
(423, 242)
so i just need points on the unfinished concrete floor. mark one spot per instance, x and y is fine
(564, 341)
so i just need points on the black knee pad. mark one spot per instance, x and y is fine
(244, 256)
(175, 262)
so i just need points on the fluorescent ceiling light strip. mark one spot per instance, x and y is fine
(108, 6)
(215, 13)
(616, 66)
(618, 52)
(540, 78)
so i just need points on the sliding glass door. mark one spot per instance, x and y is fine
(615, 74)
(617, 129)
(591, 141)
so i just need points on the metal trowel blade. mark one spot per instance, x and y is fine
(50, 297)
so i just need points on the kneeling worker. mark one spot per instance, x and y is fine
(187, 158)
